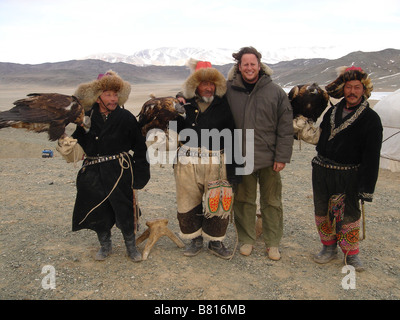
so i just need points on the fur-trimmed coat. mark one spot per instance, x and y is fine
(353, 140)
(217, 116)
(268, 111)
(120, 133)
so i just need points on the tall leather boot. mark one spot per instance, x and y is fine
(131, 249)
(327, 254)
(105, 245)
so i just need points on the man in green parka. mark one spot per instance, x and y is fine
(260, 107)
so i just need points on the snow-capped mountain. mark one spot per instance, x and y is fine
(168, 56)
(382, 66)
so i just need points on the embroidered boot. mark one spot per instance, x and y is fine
(105, 245)
(354, 260)
(195, 246)
(218, 248)
(326, 254)
(131, 249)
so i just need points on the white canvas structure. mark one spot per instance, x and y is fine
(389, 110)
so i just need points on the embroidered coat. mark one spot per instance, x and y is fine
(119, 133)
(353, 140)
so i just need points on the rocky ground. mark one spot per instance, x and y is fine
(36, 202)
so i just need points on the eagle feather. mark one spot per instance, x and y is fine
(157, 112)
(44, 112)
(308, 100)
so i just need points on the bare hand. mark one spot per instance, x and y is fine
(181, 100)
(279, 166)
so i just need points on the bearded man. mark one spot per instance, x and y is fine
(201, 158)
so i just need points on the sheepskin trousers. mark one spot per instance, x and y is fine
(245, 207)
(337, 222)
(191, 180)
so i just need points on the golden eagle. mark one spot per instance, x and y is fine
(308, 100)
(41, 112)
(157, 112)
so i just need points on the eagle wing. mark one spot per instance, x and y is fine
(308, 100)
(40, 112)
(157, 112)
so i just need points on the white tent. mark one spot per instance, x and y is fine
(389, 110)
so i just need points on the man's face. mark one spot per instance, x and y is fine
(108, 101)
(206, 89)
(353, 92)
(249, 68)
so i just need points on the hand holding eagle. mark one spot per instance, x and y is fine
(308, 103)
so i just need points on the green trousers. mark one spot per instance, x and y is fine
(245, 207)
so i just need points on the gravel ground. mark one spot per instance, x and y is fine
(36, 202)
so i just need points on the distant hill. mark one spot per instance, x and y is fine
(74, 72)
(383, 67)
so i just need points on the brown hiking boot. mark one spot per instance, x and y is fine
(273, 253)
(246, 249)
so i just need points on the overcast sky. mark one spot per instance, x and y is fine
(38, 31)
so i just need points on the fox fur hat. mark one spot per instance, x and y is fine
(202, 71)
(335, 88)
(87, 93)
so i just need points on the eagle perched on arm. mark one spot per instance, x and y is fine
(42, 112)
(308, 100)
(157, 112)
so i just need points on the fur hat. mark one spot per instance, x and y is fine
(203, 71)
(335, 88)
(87, 93)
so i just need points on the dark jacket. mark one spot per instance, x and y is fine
(217, 117)
(120, 133)
(353, 140)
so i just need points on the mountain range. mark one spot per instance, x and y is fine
(172, 56)
(383, 67)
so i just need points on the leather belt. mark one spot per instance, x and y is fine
(323, 164)
(198, 152)
(100, 159)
